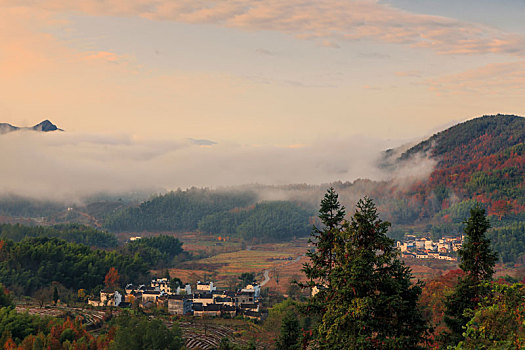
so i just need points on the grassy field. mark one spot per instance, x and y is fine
(226, 265)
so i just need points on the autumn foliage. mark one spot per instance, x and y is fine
(112, 278)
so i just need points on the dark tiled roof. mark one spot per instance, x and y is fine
(223, 300)
(202, 295)
(212, 307)
(151, 292)
(227, 308)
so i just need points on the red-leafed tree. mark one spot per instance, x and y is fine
(112, 278)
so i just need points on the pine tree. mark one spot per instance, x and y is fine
(369, 301)
(55, 295)
(289, 337)
(5, 298)
(477, 261)
(477, 258)
(331, 214)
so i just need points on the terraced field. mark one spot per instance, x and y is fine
(227, 265)
(91, 318)
(199, 333)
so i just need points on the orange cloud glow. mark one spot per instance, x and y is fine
(328, 21)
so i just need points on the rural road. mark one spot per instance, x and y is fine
(267, 272)
(266, 277)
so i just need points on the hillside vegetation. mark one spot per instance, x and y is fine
(481, 160)
(71, 232)
(176, 211)
(228, 214)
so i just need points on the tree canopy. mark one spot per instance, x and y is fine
(477, 262)
(369, 301)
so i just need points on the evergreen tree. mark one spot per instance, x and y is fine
(289, 337)
(477, 258)
(331, 214)
(477, 261)
(55, 295)
(369, 301)
(5, 298)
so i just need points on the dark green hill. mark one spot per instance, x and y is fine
(177, 211)
(473, 139)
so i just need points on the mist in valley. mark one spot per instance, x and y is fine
(75, 168)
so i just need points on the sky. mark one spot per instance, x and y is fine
(258, 77)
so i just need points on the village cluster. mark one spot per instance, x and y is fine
(423, 248)
(206, 300)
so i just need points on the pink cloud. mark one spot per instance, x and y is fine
(103, 56)
(328, 21)
(495, 78)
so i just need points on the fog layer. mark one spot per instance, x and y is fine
(68, 166)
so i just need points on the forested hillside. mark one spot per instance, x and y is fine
(478, 161)
(266, 221)
(482, 159)
(22, 207)
(34, 263)
(177, 211)
(228, 214)
(74, 233)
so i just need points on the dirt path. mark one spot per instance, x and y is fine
(267, 272)
(266, 277)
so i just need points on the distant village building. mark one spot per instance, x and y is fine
(186, 290)
(207, 301)
(162, 285)
(204, 298)
(253, 287)
(205, 286)
(244, 297)
(179, 305)
(106, 298)
(424, 248)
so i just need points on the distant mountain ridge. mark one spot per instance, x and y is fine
(44, 126)
(481, 159)
(486, 135)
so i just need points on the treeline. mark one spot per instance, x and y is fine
(28, 208)
(157, 252)
(74, 233)
(266, 221)
(177, 211)
(213, 212)
(35, 263)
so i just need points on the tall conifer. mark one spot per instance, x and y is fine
(477, 260)
(369, 300)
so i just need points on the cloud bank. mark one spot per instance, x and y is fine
(328, 21)
(68, 166)
(496, 78)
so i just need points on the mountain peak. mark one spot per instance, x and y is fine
(45, 126)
